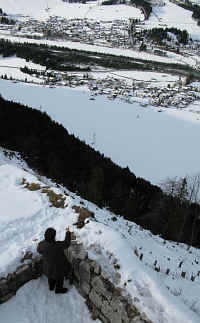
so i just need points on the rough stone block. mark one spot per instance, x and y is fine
(119, 306)
(23, 274)
(6, 297)
(95, 299)
(96, 268)
(3, 287)
(103, 318)
(138, 319)
(102, 287)
(132, 311)
(22, 269)
(79, 251)
(106, 310)
(10, 277)
(82, 255)
(77, 286)
(73, 251)
(85, 288)
(115, 318)
(84, 271)
(112, 316)
(75, 265)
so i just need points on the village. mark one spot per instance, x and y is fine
(112, 33)
(115, 33)
(121, 33)
(175, 93)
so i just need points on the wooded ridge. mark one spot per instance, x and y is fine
(48, 148)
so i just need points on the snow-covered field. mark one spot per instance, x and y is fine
(25, 215)
(154, 145)
(10, 66)
(43, 9)
(153, 78)
(172, 15)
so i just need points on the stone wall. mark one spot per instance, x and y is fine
(23, 274)
(105, 301)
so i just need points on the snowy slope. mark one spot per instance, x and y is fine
(172, 15)
(43, 9)
(164, 298)
(168, 15)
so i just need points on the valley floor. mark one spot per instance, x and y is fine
(153, 145)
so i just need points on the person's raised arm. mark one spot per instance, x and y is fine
(66, 243)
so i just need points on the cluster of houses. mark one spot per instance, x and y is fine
(115, 33)
(173, 94)
(146, 93)
(112, 33)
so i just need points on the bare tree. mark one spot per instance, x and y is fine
(194, 197)
(186, 191)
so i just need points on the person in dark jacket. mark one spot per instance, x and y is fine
(55, 264)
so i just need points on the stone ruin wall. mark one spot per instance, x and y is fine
(106, 302)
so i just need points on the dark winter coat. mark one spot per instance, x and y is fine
(55, 264)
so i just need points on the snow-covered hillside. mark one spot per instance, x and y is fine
(171, 15)
(168, 15)
(109, 239)
(43, 9)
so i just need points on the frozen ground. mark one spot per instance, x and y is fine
(154, 145)
(24, 218)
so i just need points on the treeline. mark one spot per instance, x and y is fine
(44, 56)
(159, 34)
(110, 2)
(61, 58)
(196, 13)
(7, 21)
(48, 148)
(64, 59)
(4, 19)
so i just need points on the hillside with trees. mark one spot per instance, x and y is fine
(48, 148)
